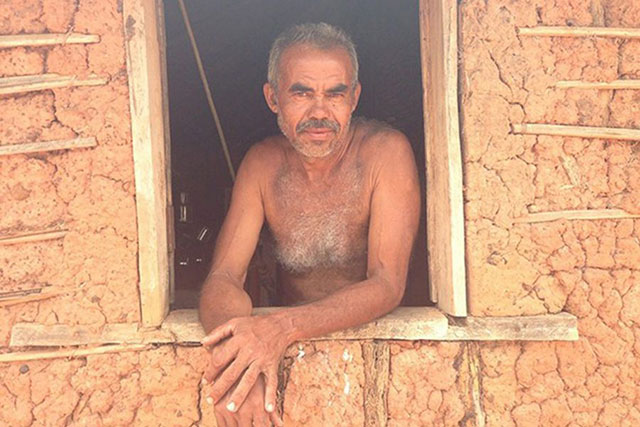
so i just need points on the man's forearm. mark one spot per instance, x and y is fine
(348, 307)
(222, 300)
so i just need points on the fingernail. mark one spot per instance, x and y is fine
(210, 400)
(231, 407)
(204, 381)
(269, 407)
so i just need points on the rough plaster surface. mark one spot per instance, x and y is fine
(89, 192)
(324, 384)
(527, 269)
(589, 268)
(427, 385)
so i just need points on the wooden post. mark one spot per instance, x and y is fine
(445, 217)
(147, 128)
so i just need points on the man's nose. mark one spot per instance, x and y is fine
(319, 108)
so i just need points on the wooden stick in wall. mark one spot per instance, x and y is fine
(627, 33)
(20, 40)
(70, 352)
(615, 84)
(586, 214)
(31, 83)
(36, 236)
(577, 131)
(31, 295)
(44, 146)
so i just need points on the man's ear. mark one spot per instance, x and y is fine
(356, 96)
(270, 97)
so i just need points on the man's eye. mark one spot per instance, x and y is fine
(335, 95)
(301, 94)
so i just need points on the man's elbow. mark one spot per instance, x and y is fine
(394, 291)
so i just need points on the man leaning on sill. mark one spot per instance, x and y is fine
(341, 199)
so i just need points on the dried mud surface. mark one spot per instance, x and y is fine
(530, 269)
(89, 192)
(589, 268)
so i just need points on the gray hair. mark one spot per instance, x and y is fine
(321, 35)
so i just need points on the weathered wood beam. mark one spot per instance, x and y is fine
(144, 69)
(612, 85)
(38, 335)
(585, 214)
(548, 327)
(34, 236)
(37, 82)
(31, 295)
(559, 31)
(44, 146)
(33, 40)
(577, 131)
(183, 326)
(443, 149)
(69, 352)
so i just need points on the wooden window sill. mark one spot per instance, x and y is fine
(404, 323)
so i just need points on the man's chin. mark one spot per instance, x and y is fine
(314, 149)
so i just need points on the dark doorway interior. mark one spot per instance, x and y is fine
(234, 38)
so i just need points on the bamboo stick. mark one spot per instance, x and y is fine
(36, 82)
(33, 237)
(207, 90)
(586, 214)
(577, 131)
(20, 40)
(31, 295)
(615, 84)
(627, 33)
(70, 352)
(44, 146)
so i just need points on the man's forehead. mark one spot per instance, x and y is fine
(306, 57)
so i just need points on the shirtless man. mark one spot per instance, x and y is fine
(341, 199)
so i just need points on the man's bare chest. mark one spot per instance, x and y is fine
(319, 226)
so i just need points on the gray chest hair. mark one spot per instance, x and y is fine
(318, 228)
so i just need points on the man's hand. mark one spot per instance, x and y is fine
(241, 350)
(250, 414)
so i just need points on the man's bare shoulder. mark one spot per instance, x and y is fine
(379, 142)
(265, 156)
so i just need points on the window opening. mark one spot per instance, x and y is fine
(234, 40)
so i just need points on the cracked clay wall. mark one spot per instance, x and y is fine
(589, 268)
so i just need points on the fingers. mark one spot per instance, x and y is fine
(271, 387)
(226, 380)
(223, 417)
(245, 385)
(260, 418)
(218, 334)
(276, 420)
(220, 358)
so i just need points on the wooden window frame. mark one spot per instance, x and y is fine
(146, 65)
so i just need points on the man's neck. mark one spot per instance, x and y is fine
(320, 168)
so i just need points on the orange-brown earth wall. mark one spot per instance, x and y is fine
(588, 268)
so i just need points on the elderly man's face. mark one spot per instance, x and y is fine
(315, 98)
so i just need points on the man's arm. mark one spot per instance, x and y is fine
(223, 296)
(395, 207)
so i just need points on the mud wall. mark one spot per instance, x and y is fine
(589, 268)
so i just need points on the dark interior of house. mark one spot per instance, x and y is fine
(234, 38)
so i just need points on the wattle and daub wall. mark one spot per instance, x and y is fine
(590, 268)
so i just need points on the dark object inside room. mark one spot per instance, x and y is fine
(234, 40)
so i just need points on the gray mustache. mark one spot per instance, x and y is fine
(313, 123)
